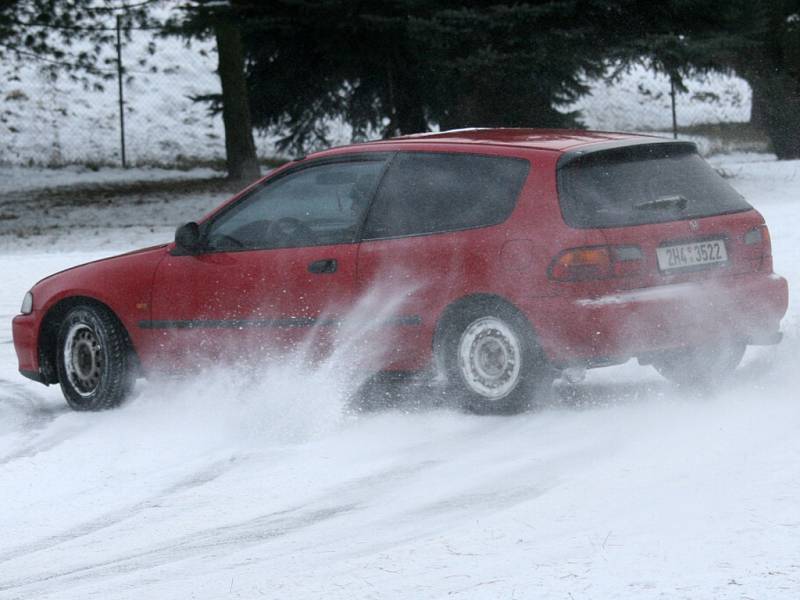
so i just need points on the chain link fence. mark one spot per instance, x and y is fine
(47, 118)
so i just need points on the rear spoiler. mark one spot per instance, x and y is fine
(634, 147)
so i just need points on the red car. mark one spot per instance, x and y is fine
(519, 253)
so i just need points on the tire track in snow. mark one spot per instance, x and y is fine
(343, 498)
(195, 480)
(34, 409)
(238, 537)
(33, 415)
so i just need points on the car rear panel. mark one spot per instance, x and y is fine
(662, 199)
(657, 306)
(730, 229)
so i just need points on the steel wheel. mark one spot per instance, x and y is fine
(489, 358)
(95, 361)
(84, 358)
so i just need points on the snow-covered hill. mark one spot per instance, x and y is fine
(53, 121)
(640, 100)
(228, 488)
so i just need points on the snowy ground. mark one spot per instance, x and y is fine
(24, 179)
(103, 212)
(624, 488)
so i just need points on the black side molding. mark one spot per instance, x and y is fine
(288, 322)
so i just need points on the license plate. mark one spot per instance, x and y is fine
(696, 254)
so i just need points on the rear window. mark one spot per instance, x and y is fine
(431, 192)
(641, 185)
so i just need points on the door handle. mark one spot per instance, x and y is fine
(326, 265)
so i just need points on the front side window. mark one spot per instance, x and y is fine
(432, 192)
(319, 205)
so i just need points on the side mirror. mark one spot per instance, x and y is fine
(188, 239)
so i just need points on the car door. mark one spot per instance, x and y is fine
(428, 239)
(279, 266)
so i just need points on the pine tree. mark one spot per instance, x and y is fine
(48, 30)
(225, 21)
(761, 43)
(402, 66)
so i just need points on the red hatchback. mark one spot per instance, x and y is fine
(519, 253)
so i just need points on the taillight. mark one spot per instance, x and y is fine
(596, 262)
(759, 236)
(627, 260)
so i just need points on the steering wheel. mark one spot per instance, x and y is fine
(289, 229)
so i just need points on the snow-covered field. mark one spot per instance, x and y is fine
(54, 120)
(640, 99)
(625, 488)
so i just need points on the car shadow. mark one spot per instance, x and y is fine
(583, 396)
(419, 395)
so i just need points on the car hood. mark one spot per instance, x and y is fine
(153, 250)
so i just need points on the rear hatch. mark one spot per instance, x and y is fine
(666, 214)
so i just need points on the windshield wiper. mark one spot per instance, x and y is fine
(663, 202)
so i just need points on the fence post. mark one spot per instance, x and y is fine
(674, 115)
(121, 99)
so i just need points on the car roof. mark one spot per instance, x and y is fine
(557, 140)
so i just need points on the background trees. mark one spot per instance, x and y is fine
(402, 66)
(50, 30)
(760, 41)
(225, 20)
(393, 67)
(757, 40)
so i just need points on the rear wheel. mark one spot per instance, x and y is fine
(701, 365)
(95, 366)
(492, 361)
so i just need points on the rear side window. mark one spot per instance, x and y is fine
(643, 185)
(430, 192)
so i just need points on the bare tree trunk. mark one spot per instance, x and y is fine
(757, 109)
(405, 103)
(780, 112)
(240, 148)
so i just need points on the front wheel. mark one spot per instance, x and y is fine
(492, 361)
(95, 366)
(703, 365)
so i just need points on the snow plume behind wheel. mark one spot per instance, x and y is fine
(491, 358)
(701, 366)
(94, 359)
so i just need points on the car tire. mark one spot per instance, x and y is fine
(94, 361)
(491, 359)
(701, 366)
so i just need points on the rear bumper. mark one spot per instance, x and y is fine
(636, 322)
(765, 339)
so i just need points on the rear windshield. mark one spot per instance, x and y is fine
(641, 185)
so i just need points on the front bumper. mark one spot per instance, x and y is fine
(631, 323)
(33, 376)
(25, 329)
